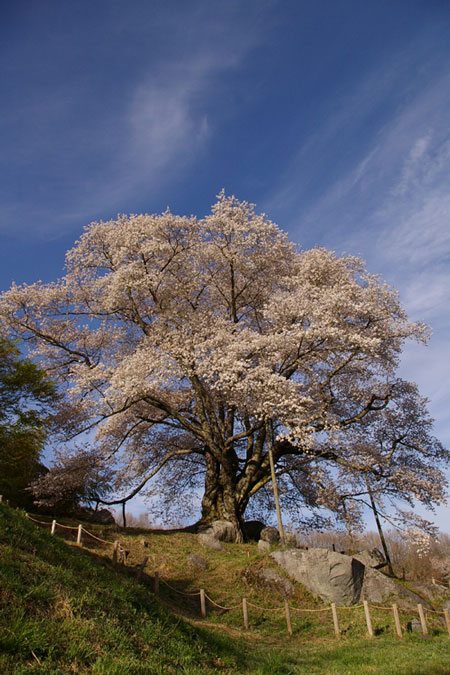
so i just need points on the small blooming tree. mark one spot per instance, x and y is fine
(395, 459)
(180, 340)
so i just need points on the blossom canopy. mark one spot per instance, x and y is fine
(191, 343)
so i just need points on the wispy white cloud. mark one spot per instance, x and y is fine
(156, 124)
(391, 205)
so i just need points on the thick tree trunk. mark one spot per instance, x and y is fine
(220, 500)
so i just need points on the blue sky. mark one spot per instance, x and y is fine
(332, 116)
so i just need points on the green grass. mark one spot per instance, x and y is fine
(65, 609)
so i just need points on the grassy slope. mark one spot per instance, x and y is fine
(63, 610)
(66, 610)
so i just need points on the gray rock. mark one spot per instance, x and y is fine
(197, 561)
(208, 541)
(379, 588)
(414, 626)
(101, 516)
(252, 530)
(263, 546)
(371, 558)
(270, 534)
(222, 530)
(329, 575)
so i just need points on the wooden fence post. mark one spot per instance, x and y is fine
(115, 552)
(80, 527)
(398, 626)
(447, 620)
(288, 617)
(335, 620)
(368, 619)
(156, 583)
(422, 619)
(1, 498)
(203, 603)
(245, 612)
(52, 531)
(141, 568)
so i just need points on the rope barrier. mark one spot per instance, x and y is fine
(66, 527)
(433, 611)
(300, 609)
(97, 538)
(40, 522)
(227, 609)
(177, 591)
(265, 609)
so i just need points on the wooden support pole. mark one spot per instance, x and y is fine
(52, 531)
(288, 617)
(447, 620)
(368, 619)
(245, 613)
(1, 498)
(141, 568)
(202, 603)
(422, 619)
(275, 486)
(398, 626)
(156, 583)
(80, 527)
(335, 620)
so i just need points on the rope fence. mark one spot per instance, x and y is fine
(119, 554)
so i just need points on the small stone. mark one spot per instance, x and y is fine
(197, 561)
(208, 541)
(270, 534)
(414, 626)
(263, 546)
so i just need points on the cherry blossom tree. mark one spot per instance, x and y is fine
(186, 342)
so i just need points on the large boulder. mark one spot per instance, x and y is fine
(222, 530)
(270, 534)
(332, 576)
(104, 517)
(343, 579)
(371, 558)
(379, 588)
(100, 516)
